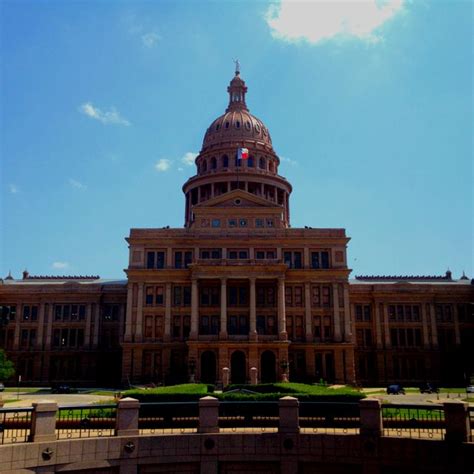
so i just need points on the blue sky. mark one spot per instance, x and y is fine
(369, 106)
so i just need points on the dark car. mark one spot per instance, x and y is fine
(63, 389)
(428, 388)
(395, 389)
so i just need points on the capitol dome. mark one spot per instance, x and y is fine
(237, 124)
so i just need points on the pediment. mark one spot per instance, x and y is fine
(237, 198)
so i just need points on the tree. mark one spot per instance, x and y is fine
(6, 366)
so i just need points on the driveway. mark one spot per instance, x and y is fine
(72, 399)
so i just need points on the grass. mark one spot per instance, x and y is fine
(409, 413)
(23, 390)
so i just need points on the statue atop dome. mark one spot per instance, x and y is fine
(237, 66)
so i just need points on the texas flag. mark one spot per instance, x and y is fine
(242, 153)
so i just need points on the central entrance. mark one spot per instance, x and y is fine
(208, 367)
(268, 367)
(237, 367)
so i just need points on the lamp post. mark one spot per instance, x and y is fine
(284, 367)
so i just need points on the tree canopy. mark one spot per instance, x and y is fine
(6, 366)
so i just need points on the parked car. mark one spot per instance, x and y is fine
(470, 389)
(428, 388)
(395, 389)
(2, 387)
(63, 388)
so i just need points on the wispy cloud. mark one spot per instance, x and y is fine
(319, 20)
(288, 160)
(188, 158)
(13, 188)
(77, 184)
(111, 116)
(149, 40)
(60, 265)
(163, 165)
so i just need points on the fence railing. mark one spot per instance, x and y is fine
(15, 425)
(45, 421)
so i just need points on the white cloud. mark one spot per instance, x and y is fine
(60, 265)
(163, 165)
(13, 189)
(188, 158)
(288, 160)
(180, 169)
(109, 116)
(77, 184)
(319, 20)
(149, 40)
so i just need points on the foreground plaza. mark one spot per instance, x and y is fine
(238, 288)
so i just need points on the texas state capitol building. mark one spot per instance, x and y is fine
(238, 288)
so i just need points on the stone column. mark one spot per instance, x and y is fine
(308, 318)
(49, 327)
(281, 310)
(225, 376)
(378, 326)
(370, 417)
(43, 421)
(95, 338)
(337, 320)
(306, 260)
(347, 316)
(128, 316)
(208, 415)
(288, 415)
(456, 416)
(253, 310)
(139, 323)
(39, 342)
(457, 333)
(167, 335)
(16, 334)
(223, 331)
(87, 334)
(126, 420)
(434, 328)
(424, 321)
(194, 309)
(388, 343)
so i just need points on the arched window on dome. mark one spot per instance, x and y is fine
(225, 161)
(250, 162)
(227, 125)
(237, 124)
(213, 163)
(204, 166)
(261, 163)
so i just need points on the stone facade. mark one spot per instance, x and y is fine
(238, 294)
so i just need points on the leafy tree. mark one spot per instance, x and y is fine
(6, 366)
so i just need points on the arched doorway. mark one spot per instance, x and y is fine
(238, 372)
(268, 367)
(208, 367)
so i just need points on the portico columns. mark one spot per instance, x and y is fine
(307, 313)
(223, 330)
(281, 310)
(337, 318)
(253, 310)
(194, 309)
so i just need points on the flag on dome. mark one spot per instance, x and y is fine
(242, 153)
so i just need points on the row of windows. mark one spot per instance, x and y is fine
(182, 259)
(443, 313)
(405, 312)
(363, 312)
(69, 312)
(405, 337)
(212, 164)
(68, 338)
(238, 222)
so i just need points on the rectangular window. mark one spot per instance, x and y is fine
(293, 259)
(149, 295)
(232, 222)
(30, 313)
(155, 259)
(178, 260)
(326, 296)
(320, 259)
(259, 222)
(216, 223)
(315, 296)
(159, 297)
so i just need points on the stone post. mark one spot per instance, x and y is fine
(43, 421)
(225, 376)
(208, 415)
(288, 415)
(456, 417)
(126, 421)
(370, 417)
(253, 375)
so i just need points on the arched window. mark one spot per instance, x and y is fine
(227, 125)
(204, 166)
(261, 163)
(225, 161)
(250, 162)
(213, 163)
